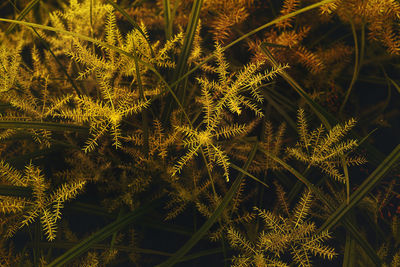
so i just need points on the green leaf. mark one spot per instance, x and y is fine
(99, 236)
(22, 15)
(394, 84)
(15, 191)
(185, 52)
(189, 37)
(167, 19)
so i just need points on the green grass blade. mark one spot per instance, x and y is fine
(248, 174)
(201, 254)
(394, 84)
(99, 236)
(356, 67)
(376, 176)
(22, 15)
(167, 19)
(349, 251)
(298, 175)
(280, 110)
(15, 191)
(217, 213)
(361, 241)
(51, 126)
(189, 37)
(184, 55)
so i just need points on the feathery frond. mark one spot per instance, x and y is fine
(324, 152)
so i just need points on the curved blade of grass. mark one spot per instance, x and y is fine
(22, 15)
(167, 19)
(99, 236)
(184, 55)
(248, 174)
(15, 191)
(280, 110)
(216, 214)
(51, 126)
(189, 37)
(394, 84)
(298, 175)
(201, 254)
(349, 251)
(357, 64)
(376, 176)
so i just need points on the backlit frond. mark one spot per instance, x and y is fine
(325, 151)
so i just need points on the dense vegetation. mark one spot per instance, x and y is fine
(199, 133)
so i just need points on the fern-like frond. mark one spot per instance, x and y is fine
(281, 194)
(271, 221)
(12, 204)
(316, 247)
(335, 134)
(182, 161)
(325, 151)
(303, 128)
(231, 130)
(30, 216)
(10, 61)
(36, 178)
(288, 7)
(222, 160)
(302, 209)
(12, 176)
(330, 7)
(237, 240)
(48, 221)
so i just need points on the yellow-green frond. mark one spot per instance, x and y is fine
(11, 204)
(302, 209)
(12, 176)
(39, 185)
(231, 130)
(48, 221)
(303, 128)
(237, 240)
(183, 160)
